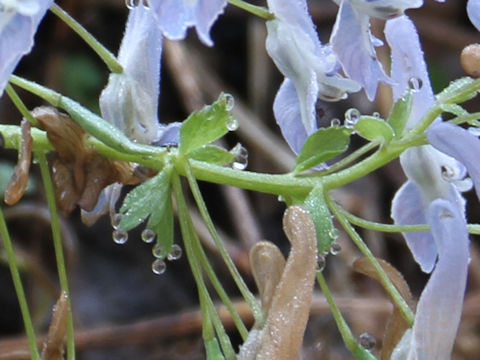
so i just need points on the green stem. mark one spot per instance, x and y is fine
(188, 234)
(246, 293)
(12, 94)
(253, 9)
(470, 119)
(17, 283)
(107, 57)
(358, 351)
(383, 277)
(58, 247)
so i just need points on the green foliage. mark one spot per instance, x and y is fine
(205, 126)
(372, 128)
(212, 154)
(151, 199)
(455, 91)
(322, 218)
(400, 113)
(321, 146)
(212, 348)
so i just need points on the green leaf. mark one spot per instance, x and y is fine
(212, 348)
(455, 92)
(400, 113)
(454, 109)
(150, 198)
(212, 154)
(321, 146)
(322, 218)
(207, 125)
(372, 128)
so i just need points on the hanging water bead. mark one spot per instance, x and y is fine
(415, 83)
(376, 114)
(241, 157)
(120, 236)
(335, 122)
(335, 248)
(115, 220)
(321, 262)
(131, 4)
(333, 233)
(157, 251)
(351, 118)
(232, 124)
(448, 174)
(367, 341)
(229, 102)
(175, 253)
(148, 235)
(159, 266)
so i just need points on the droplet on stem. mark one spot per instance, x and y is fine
(367, 341)
(120, 236)
(351, 117)
(335, 122)
(115, 220)
(232, 124)
(334, 233)
(321, 262)
(241, 157)
(335, 248)
(159, 266)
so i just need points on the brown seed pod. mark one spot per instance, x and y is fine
(470, 60)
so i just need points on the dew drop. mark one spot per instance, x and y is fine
(333, 233)
(232, 124)
(120, 236)
(415, 83)
(321, 262)
(157, 251)
(367, 341)
(448, 174)
(148, 235)
(131, 4)
(376, 114)
(229, 102)
(146, 4)
(335, 122)
(241, 157)
(474, 131)
(175, 253)
(115, 220)
(159, 266)
(335, 248)
(351, 117)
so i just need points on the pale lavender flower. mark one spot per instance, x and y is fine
(440, 306)
(19, 20)
(473, 11)
(310, 70)
(174, 17)
(130, 100)
(354, 44)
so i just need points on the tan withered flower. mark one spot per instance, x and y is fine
(79, 173)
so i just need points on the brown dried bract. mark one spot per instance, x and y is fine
(79, 173)
(19, 180)
(53, 346)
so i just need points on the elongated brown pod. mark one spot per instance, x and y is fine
(290, 308)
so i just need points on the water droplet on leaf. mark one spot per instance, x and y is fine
(120, 236)
(157, 251)
(175, 253)
(232, 124)
(159, 267)
(415, 83)
(335, 248)
(229, 102)
(351, 118)
(376, 114)
(367, 341)
(148, 235)
(334, 233)
(241, 157)
(335, 122)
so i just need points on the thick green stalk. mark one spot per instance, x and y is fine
(246, 293)
(358, 351)
(107, 57)
(383, 277)
(58, 247)
(17, 283)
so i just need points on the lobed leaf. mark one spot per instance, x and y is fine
(372, 128)
(212, 154)
(400, 113)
